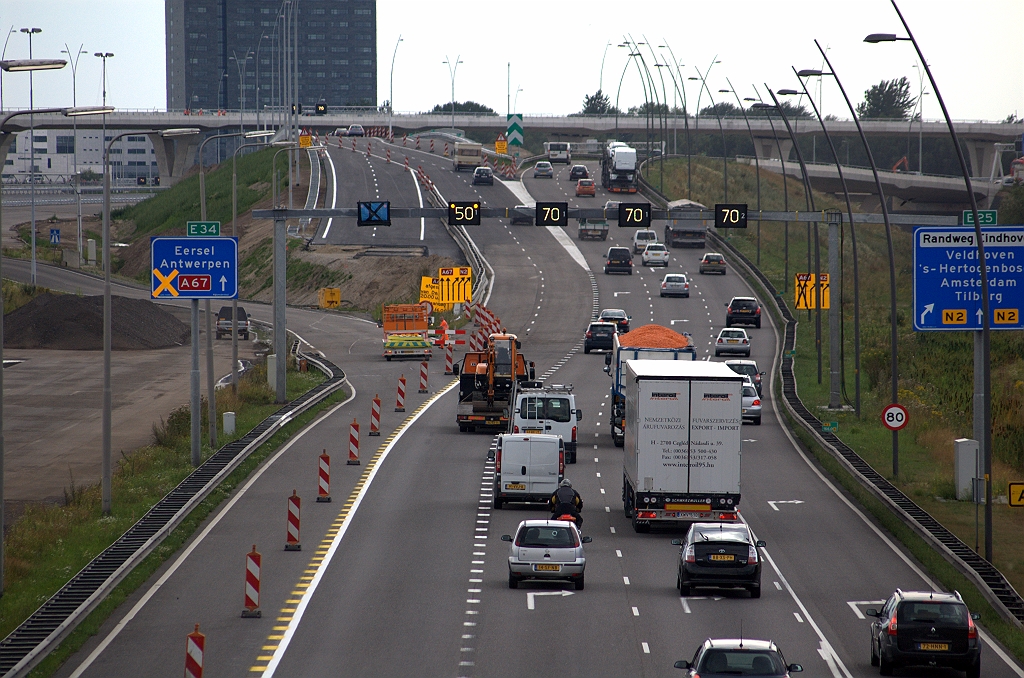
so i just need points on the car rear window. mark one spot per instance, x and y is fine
(749, 392)
(619, 253)
(546, 537)
(646, 235)
(742, 663)
(744, 303)
(601, 329)
(556, 409)
(675, 278)
(712, 258)
(744, 369)
(733, 333)
(929, 612)
(655, 248)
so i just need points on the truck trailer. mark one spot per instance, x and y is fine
(685, 227)
(681, 458)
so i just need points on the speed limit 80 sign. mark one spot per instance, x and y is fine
(894, 417)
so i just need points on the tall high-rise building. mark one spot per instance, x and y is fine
(208, 42)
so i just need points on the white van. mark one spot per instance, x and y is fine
(550, 410)
(558, 151)
(527, 468)
(643, 238)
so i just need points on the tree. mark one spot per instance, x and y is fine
(651, 108)
(888, 99)
(463, 107)
(597, 104)
(1011, 119)
(792, 112)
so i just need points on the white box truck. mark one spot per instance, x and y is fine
(681, 457)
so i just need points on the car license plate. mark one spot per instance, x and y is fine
(685, 514)
(722, 557)
(933, 647)
(732, 341)
(515, 486)
(547, 567)
(533, 430)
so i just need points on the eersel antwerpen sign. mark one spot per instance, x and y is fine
(192, 268)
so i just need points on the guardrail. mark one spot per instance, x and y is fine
(989, 580)
(28, 644)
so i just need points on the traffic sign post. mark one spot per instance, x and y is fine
(895, 417)
(947, 278)
(186, 268)
(501, 145)
(54, 236)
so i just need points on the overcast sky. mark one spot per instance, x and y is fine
(556, 48)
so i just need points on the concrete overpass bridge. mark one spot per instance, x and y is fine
(175, 156)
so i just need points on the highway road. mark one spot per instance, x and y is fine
(407, 576)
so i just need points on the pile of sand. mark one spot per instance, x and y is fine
(654, 336)
(70, 322)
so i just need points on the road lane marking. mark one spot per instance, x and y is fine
(686, 606)
(636, 612)
(647, 648)
(345, 519)
(798, 618)
(855, 605)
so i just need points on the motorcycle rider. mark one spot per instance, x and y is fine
(566, 500)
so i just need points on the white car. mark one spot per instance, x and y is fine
(546, 549)
(732, 340)
(655, 254)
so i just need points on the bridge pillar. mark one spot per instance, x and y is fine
(174, 155)
(980, 154)
(766, 148)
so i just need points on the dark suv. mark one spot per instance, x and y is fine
(743, 311)
(224, 323)
(619, 260)
(579, 172)
(483, 175)
(924, 628)
(599, 336)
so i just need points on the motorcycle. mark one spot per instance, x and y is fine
(578, 519)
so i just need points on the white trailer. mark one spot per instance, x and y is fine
(681, 457)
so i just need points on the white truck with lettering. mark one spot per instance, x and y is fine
(681, 458)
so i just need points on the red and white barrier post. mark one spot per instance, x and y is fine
(431, 145)
(368, 145)
(389, 156)
(323, 493)
(405, 139)
(252, 584)
(400, 403)
(195, 644)
(423, 377)
(446, 149)
(353, 443)
(448, 358)
(353, 145)
(294, 507)
(417, 143)
(406, 163)
(375, 416)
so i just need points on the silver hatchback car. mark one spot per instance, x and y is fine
(544, 169)
(751, 403)
(546, 549)
(675, 285)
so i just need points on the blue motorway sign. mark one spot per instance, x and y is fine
(192, 268)
(947, 279)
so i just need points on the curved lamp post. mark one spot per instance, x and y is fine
(452, 70)
(725, 152)
(893, 330)
(809, 199)
(768, 108)
(686, 114)
(757, 164)
(853, 235)
(986, 379)
(391, 89)
(74, 111)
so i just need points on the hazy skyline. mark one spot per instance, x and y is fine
(556, 48)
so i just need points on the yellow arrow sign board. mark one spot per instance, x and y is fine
(1016, 494)
(805, 296)
(430, 290)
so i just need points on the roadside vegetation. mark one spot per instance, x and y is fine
(935, 369)
(48, 544)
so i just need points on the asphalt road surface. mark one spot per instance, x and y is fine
(404, 574)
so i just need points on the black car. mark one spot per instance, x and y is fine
(579, 172)
(617, 317)
(924, 628)
(738, 657)
(483, 175)
(619, 260)
(599, 336)
(743, 311)
(721, 555)
(521, 214)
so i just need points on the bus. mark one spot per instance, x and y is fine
(558, 151)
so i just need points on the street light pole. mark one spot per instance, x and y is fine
(391, 90)
(32, 149)
(757, 163)
(853, 235)
(686, 116)
(74, 126)
(986, 376)
(893, 330)
(767, 108)
(725, 152)
(451, 72)
(600, 78)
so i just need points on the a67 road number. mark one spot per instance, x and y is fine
(894, 417)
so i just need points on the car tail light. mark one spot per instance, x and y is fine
(690, 557)
(719, 340)
(751, 555)
(515, 429)
(609, 262)
(757, 402)
(497, 459)
(728, 309)
(664, 285)
(891, 630)
(574, 434)
(758, 311)
(727, 516)
(744, 341)
(686, 286)
(972, 630)
(589, 335)
(561, 461)
(646, 515)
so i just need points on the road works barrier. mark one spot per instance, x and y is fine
(375, 416)
(294, 508)
(431, 145)
(448, 359)
(45, 628)
(252, 584)
(353, 443)
(323, 485)
(423, 377)
(195, 645)
(400, 403)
